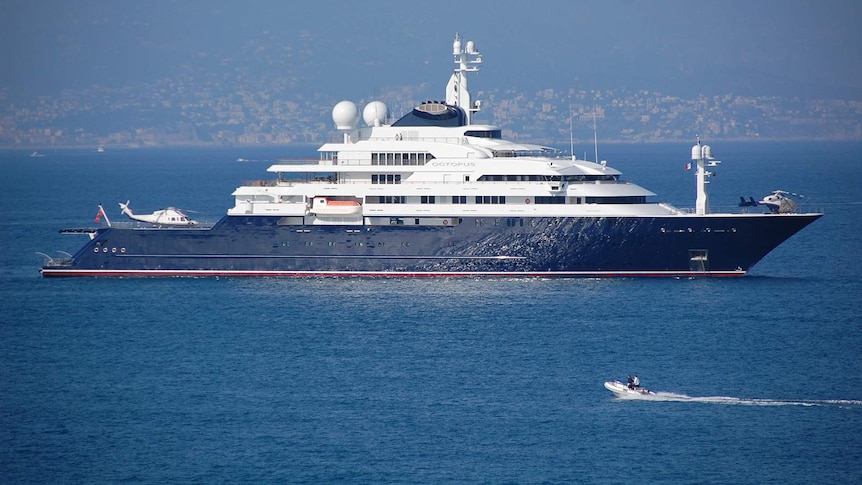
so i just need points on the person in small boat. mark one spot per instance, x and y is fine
(636, 383)
(630, 382)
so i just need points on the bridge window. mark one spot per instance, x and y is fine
(484, 133)
(401, 158)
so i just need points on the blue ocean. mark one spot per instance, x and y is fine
(360, 380)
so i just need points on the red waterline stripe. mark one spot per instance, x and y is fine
(371, 274)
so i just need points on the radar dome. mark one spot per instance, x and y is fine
(375, 113)
(345, 115)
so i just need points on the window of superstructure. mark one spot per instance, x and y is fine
(510, 178)
(459, 199)
(326, 156)
(490, 199)
(550, 200)
(428, 199)
(484, 133)
(635, 199)
(547, 178)
(386, 178)
(386, 199)
(590, 178)
(401, 158)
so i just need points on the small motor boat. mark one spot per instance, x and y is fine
(623, 391)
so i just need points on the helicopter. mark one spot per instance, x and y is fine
(164, 217)
(778, 203)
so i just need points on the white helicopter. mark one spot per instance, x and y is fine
(164, 217)
(778, 203)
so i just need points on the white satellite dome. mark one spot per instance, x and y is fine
(345, 114)
(375, 113)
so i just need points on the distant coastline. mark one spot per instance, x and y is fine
(584, 147)
(137, 118)
(561, 144)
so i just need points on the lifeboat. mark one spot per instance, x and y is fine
(328, 207)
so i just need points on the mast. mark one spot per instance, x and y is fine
(571, 135)
(467, 59)
(595, 134)
(702, 155)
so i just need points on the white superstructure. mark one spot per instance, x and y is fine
(434, 162)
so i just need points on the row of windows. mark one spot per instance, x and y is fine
(432, 199)
(550, 200)
(396, 178)
(547, 178)
(501, 199)
(401, 158)
(490, 199)
(386, 178)
(484, 133)
(386, 199)
(638, 199)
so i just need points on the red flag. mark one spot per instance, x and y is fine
(688, 166)
(99, 214)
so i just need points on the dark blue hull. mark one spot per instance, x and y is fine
(714, 245)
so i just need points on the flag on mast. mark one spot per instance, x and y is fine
(102, 213)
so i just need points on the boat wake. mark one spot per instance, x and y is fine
(738, 401)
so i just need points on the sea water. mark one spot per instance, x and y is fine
(427, 380)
